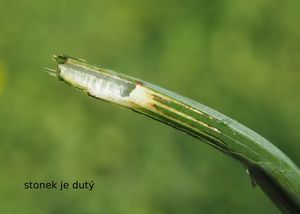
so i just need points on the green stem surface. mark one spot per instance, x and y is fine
(272, 170)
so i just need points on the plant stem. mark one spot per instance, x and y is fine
(272, 170)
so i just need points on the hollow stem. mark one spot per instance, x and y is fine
(272, 170)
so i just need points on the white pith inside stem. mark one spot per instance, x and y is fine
(106, 89)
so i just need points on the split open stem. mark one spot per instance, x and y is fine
(272, 170)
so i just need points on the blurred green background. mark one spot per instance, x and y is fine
(241, 58)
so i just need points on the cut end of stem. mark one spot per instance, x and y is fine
(100, 83)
